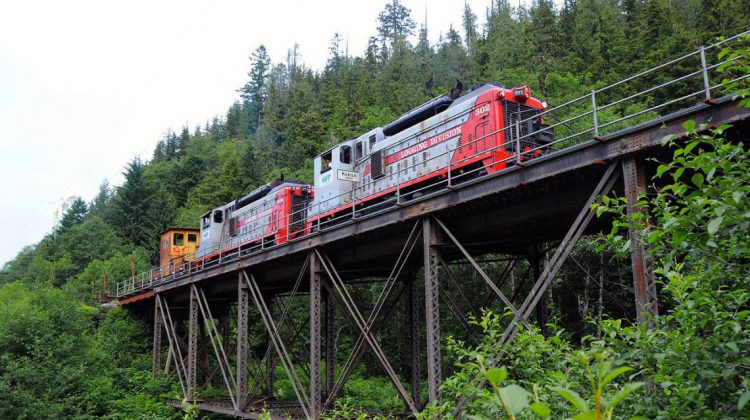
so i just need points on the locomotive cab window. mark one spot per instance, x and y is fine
(192, 238)
(345, 154)
(205, 221)
(325, 161)
(358, 151)
(166, 243)
(372, 141)
(218, 216)
(179, 239)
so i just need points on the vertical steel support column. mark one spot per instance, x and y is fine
(330, 344)
(192, 362)
(432, 314)
(416, 356)
(537, 265)
(156, 352)
(315, 283)
(243, 302)
(270, 360)
(646, 304)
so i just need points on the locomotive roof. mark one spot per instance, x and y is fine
(475, 91)
(178, 228)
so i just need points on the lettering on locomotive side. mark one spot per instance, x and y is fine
(326, 179)
(343, 175)
(426, 144)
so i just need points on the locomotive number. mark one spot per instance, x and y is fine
(482, 110)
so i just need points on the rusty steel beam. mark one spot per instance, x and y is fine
(192, 362)
(330, 351)
(536, 263)
(561, 253)
(555, 263)
(376, 317)
(416, 359)
(432, 311)
(479, 270)
(156, 344)
(270, 359)
(174, 345)
(216, 344)
(646, 303)
(314, 301)
(345, 301)
(268, 379)
(243, 303)
(278, 343)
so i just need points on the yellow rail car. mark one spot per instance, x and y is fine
(178, 246)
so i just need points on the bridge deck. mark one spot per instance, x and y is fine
(501, 213)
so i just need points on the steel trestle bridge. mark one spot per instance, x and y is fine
(535, 210)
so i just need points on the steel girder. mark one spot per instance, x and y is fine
(376, 317)
(192, 362)
(432, 310)
(314, 299)
(278, 344)
(561, 253)
(344, 299)
(414, 321)
(330, 351)
(156, 345)
(175, 351)
(554, 264)
(243, 303)
(646, 303)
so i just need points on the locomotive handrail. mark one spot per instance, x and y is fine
(231, 248)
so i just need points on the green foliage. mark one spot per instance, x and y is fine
(73, 215)
(697, 233)
(563, 381)
(60, 358)
(54, 362)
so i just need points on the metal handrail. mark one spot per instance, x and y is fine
(232, 248)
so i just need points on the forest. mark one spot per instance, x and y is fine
(63, 357)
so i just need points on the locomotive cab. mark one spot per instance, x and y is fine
(178, 246)
(212, 225)
(340, 169)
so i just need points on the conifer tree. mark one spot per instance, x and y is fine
(73, 215)
(395, 24)
(130, 206)
(253, 93)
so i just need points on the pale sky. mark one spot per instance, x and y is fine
(85, 86)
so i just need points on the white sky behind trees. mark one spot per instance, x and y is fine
(85, 86)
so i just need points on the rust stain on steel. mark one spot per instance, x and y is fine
(137, 298)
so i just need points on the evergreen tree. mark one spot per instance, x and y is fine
(470, 28)
(542, 34)
(183, 140)
(73, 215)
(234, 120)
(254, 92)
(131, 206)
(159, 153)
(503, 46)
(395, 24)
(171, 146)
(723, 18)
(101, 201)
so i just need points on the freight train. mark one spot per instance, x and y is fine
(447, 140)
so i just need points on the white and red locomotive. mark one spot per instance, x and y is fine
(478, 133)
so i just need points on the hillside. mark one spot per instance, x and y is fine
(59, 357)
